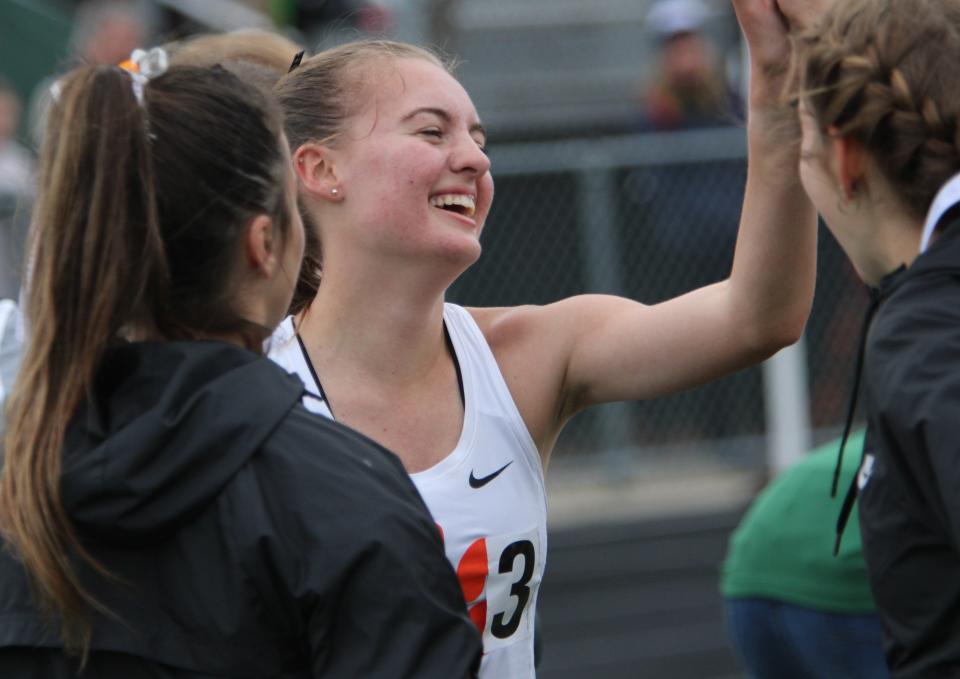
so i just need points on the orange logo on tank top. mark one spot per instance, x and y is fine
(472, 573)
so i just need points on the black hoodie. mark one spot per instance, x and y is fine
(910, 477)
(245, 536)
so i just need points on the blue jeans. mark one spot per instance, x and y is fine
(776, 640)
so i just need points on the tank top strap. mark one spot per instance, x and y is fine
(491, 391)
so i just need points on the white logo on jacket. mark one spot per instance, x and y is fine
(866, 471)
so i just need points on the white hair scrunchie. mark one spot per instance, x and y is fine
(144, 65)
(141, 67)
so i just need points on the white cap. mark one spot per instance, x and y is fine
(669, 17)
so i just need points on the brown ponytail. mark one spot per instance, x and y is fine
(136, 229)
(97, 252)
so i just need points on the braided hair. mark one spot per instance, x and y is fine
(882, 72)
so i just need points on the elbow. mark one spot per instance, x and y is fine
(771, 336)
(768, 322)
(785, 336)
(765, 334)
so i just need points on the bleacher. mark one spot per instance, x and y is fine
(637, 600)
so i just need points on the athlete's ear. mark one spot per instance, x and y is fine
(260, 246)
(849, 157)
(316, 170)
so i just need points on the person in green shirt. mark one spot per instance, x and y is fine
(793, 608)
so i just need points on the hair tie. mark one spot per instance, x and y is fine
(144, 65)
(141, 67)
(297, 58)
(137, 82)
(150, 63)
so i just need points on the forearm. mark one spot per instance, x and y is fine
(774, 267)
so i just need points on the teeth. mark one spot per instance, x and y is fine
(448, 199)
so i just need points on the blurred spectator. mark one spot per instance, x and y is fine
(794, 610)
(104, 32)
(16, 164)
(688, 88)
(325, 22)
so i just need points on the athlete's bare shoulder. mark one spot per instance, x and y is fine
(506, 326)
(556, 325)
(532, 363)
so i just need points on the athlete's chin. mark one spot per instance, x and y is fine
(471, 257)
(461, 252)
(448, 265)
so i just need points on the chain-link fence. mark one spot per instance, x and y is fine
(651, 217)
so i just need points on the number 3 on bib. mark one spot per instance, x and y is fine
(503, 568)
(519, 589)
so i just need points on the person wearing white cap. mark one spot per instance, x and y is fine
(688, 88)
(669, 17)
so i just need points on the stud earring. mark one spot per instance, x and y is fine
(335, 192)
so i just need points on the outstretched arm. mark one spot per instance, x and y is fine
(561, 358)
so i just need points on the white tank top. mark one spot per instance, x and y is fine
(487, 496)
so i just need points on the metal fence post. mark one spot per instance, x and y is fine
(600, 248)
(786, 401)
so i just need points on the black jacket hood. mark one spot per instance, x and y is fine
(165, 427)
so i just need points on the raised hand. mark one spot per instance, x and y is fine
(766, 30)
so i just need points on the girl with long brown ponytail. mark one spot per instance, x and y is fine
(168, 507)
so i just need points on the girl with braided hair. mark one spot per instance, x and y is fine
(880, 118)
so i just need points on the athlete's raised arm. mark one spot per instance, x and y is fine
(591, 349)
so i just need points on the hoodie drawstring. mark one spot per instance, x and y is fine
(851, 495)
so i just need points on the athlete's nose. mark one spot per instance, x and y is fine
(469, 157)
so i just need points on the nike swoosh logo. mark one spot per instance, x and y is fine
(484, 480)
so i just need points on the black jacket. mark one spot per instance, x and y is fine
(910, 479)
(247, 537)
